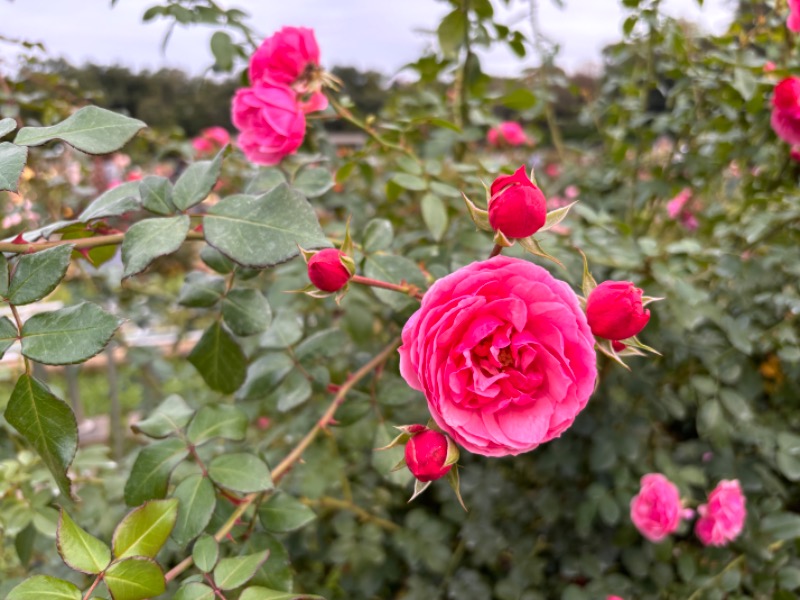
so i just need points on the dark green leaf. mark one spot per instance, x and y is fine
(169, 417)
(135, 578)
(8, 334)
(260, 593)
(201, 290)
(240, 472)
(150, 473)
(222, 48)
(231, 573)
(91, 129)
(197, 181)
(221, 420)
(47, 424)
(246, 311)
(79, 550)
(196, 500)
(12, 162)
(781, 526)
(38, 274)
(219, 359)
(519, 99)
(216, 260)
(145, 529)
(115, 202)
(263, 231)
(265, 373)
(156, 193)
(282, 513)
(148, 239)
(43, 587)
(68, 335)
(292, 392)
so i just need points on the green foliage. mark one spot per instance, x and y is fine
(12, 161)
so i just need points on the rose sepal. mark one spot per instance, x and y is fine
(479, 216)
(419, 487)
(606, 348)
(554, 217)
(530, 244)
(455, 483)
(635, 343)
(453, 452)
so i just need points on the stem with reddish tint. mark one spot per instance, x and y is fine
(408, 289)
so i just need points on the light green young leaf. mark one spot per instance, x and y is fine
(261, 593)
(135, 578)
(41, 587)
(194, 591)
(145, 529)
(234, 572)
(80, 550)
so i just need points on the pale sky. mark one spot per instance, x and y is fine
(377, 34)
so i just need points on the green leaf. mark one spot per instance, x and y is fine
(47, 424)
(263, 231)
(234, 572)
(246, 311)
(148, 239)
(3, 276)
(220, 360)
(410, 182)
(219, 420)
(196, 503)
(8, 334)
(452, 31)
(169, 417)
(265, 180)
(201, 290)
(240, 472)
(115, 202)
(519, 99)
(745, 83)
(79, 550)
(197, 181)
(434, 213)
(216, 260)
(261, 593)
(12, 162)
(292, 392)
(781, 526)
(135, 578)
(91, 129)
(378, 235)
(205, 553)
(38, 274)
(145, 529)
(156, 193)
(223, 50)
(286, 330)
(68, 335)
(282, 513)
(194, 591)
(265, 373)
(313, 182)
(7, 125)
(43, 587)
(150, 473)
(394, 269)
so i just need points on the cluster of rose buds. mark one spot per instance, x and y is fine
(657, 511)
(286, 81)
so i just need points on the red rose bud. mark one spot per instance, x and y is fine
(426, 455)
(518, 209)
(614, 310)
(326, 271)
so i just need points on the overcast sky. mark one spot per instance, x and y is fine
(377, 34)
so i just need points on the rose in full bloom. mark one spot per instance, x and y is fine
(785, 118)
(614, 310)
(517, 208)
(291, 57)
(426, 453)
(271, 122)
(722, 519)
(793, 22)
(656, 509)
(503, 354)
(509, 133)
(326, 270)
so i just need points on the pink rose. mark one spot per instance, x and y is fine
(614, 310)
(722, 519)
(202, 146)
(291, 57)
(426, 453)
(785, 118)
(507, 133)
(613, 598)
(769, 66)
(793, 22)
(502, 351)
(326, 270)
(517, 208)
(219, 136)
(271, 122)
(656, 509)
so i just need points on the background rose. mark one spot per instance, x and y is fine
(785, 118)
(271, 122)
(503, 353)
(285, 55)
(509, 133)
(656, 509)
(722, 519)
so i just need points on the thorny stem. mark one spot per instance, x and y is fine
(97, 241)
(408, 289)
(287, 463)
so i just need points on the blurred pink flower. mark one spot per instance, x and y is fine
(656, 509)
(216, 135)
(572, 192)
(722, 519)
(508, 133)
(679, 208)
(785, 118)
(769, 66)
(793, 22)
(552, 170)
(271, 122)
(202, 146)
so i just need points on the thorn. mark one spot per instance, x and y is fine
(19, 239)
(84, 252)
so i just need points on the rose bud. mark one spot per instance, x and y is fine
(614, 310)
(426, 455)
(518, 208)
(326, 270)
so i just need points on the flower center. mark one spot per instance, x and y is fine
(504, 356)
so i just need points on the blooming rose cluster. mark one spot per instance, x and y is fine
(656, 511)
(285, 81)
(503, 353)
